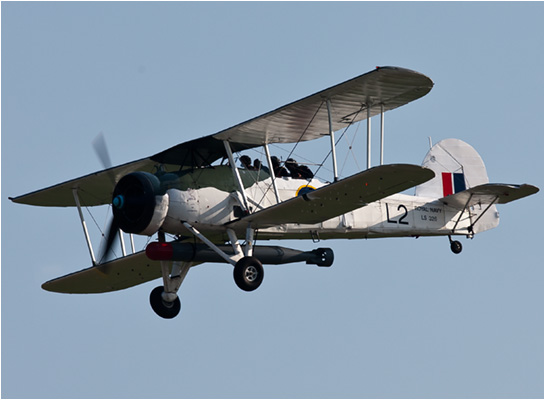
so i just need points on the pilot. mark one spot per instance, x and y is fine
(279, 171)
(246, 163)
(298, 171)
(260, 167)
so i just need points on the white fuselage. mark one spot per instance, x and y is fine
(209, 209)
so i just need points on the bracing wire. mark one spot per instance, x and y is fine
(351, 151)
(293, 149)
(95, 221)
(321, 165)
(339, 139)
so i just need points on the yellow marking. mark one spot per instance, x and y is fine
(304, 186)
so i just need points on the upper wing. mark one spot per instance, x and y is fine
(93, 189)
(384, 88)
(489, 193)
(340, 197)
(96, 189)
(306, 119)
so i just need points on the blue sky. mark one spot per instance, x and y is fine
(394, 318)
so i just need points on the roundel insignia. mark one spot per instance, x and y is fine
(304, 190)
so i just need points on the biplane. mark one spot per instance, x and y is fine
(212, 211)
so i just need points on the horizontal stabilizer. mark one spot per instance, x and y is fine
(489, 193)
(339, 197)
(118, 274)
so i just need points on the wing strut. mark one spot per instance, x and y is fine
(271, 172)
(84, 225)
(466, 207)
(132, 243)
(381, 133)
(332, 136)
(236, 174)
(368, 136)
(122, 242)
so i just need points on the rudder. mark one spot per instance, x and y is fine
(457, 167)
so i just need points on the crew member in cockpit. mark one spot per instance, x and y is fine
(246, 163)
(298, 171)
(279, 171)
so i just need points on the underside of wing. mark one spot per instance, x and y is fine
(382, 89)
(118, 274)
(340, 197)
(307, 119)
(489, 193)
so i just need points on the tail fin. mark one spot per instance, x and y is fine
(457, 167)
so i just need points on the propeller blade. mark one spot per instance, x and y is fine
(99, 143)
(111, 237)
(101, 150)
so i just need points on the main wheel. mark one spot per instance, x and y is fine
(248, 273)
(164, 309)
(456, 247)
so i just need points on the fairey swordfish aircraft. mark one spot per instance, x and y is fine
(212, 211)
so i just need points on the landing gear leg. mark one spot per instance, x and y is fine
(164, 300)
(248, 271)
(455, 246)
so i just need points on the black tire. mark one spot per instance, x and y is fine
(456, 247)
(162, 308)
(248, 273)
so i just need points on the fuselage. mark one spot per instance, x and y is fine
(214, 202)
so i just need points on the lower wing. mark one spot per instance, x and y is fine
(114, 275)
(339, 197)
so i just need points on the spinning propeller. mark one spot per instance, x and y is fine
(101, 150)
(139, 203)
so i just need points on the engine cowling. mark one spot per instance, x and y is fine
(139, 203)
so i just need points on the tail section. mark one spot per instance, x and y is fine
(457, 167)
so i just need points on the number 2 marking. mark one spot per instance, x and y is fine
(400, 220)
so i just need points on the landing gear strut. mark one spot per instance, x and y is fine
(164, 299)
(455, 246)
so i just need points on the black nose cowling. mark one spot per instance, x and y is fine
(135, 203)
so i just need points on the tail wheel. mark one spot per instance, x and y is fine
(164, 309)
(248, 273)
(456, 247)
